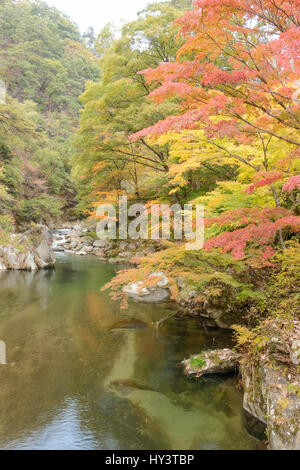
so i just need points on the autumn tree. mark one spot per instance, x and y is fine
(235, 80)
(118, 105)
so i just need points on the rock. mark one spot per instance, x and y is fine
(123, 246)
(295, 353)
(44, 256)
(132, 246)
(269, 397)
(3, 267)
(163, 280)
(29, 263)
(29, 251)
(154, 292)
(76, 231)
(102, 244)
(100, 253)
(82, 252)
(180, 282)
(139, 254)
(254, 426)
(222, 361)
(87, 241)
(126, 255)
(136, 289)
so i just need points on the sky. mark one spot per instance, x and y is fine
(98, 13)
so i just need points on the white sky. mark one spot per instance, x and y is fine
(97, 13)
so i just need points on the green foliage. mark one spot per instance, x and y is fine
(40, 209)
(276, 317)
(6, 223)
(42, 57)
(197, 363)
(118, 106)
(45, 65)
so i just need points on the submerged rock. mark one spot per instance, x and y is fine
(222, 361)
(128, 323)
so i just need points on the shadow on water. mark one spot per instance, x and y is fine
(82, 374)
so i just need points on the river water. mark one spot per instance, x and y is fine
(83, 374)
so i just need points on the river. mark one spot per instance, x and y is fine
(83, 374)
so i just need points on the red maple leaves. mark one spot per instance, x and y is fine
(292, 184)
(264, 178)
(251, 227)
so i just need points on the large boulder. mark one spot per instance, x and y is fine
(221, 361)
(154, 289)
(103, 244)
(29, 251)
(87, 241)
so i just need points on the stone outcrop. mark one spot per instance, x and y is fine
(154, 289)
(274, 400)
(29, 251)
(272, 382)
(222, 361)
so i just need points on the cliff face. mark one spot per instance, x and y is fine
(29, 251)
(274, 400)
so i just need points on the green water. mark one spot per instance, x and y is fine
(82, 374)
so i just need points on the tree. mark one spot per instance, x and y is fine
(234, 78)
(118, 105)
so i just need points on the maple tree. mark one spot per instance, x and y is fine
(210, 118)
(235, 79)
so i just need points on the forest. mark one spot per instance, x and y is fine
(191, 103)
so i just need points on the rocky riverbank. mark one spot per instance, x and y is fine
(27, 251)
(81, 240)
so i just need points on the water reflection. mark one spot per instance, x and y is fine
(82, 374)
